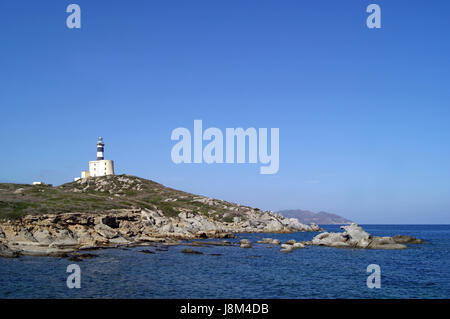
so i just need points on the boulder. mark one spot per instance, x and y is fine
(168, 228)
(105, 231)
(43, 236)
(315, 228)
(245, 243)
(119, 241)
(269, 241)
(191, 251)
(295, 225)
(19, 191)
(405, 239)
(146, 251)
(355, 232)
(7, 253)
(286, 248)
(265, 241)
(63, 238)
(298, 245)
(273, 226)
(81, 256)
(354, 236)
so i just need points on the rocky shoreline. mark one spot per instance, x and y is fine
(68, 235)
(61, 234)
(124, 211)
(354, 236)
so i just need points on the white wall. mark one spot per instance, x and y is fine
(101, 168)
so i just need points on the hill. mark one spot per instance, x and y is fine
(120, 210)
(305, 216)
(105, 193)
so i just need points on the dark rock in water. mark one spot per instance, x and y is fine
(146, 251)
(210, 243)
(191, 251)
(59, 254)
(245, 243)
(287, 248)
(75, 258)
(216, 254)
(81, 257)
(269, 241)
(405, 239)
(227, 235)
(87, 255)
(7, 253)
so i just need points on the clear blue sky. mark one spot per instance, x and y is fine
(363, 114)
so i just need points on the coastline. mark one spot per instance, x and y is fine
(59, 234)
(227, 271)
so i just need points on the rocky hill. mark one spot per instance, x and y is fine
(119, 210)
(307, 217)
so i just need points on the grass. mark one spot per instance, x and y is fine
(228, 219)
(168, 210)
(98, 194)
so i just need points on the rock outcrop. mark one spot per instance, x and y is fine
(191, 251)
(356, 237)
(59, 234)
(6, 252)
(291, 245)
(120, 210)
(269, 241)
(245, 243)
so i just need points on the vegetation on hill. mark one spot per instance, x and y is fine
(99, 194)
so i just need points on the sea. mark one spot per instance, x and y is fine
(421, 271)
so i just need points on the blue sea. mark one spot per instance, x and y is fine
(421, 271)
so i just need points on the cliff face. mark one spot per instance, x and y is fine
(119, 210)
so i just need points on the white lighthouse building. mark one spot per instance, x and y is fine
(100, 167)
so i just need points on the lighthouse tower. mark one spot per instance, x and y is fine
(100, 148)
(100, 167)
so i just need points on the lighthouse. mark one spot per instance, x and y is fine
(100, 148)
(99, 167)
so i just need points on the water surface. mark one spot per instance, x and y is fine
(421, 271)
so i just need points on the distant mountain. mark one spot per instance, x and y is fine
(307, 217)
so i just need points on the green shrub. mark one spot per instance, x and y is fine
(228, 219)
(167, 209)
